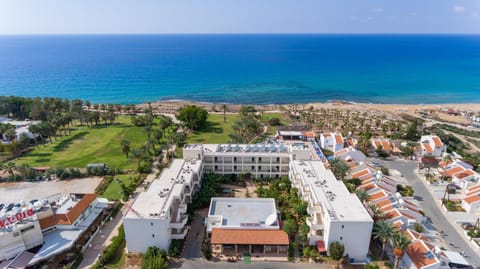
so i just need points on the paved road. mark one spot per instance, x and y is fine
(195, 264)
(432, 209)
(193, 242)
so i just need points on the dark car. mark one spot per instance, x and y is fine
(468, 226)
(2, 206)
(33, 201)
(10, 206)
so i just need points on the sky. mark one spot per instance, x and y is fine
(238, 16)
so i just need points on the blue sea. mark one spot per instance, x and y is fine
(253, 69)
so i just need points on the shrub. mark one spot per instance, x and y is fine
(175, 249)
(274, 122)
(112, 251)
(371, 266)
(336, 250)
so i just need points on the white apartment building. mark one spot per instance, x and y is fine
(158, 215)
(335, 213)
(331, 141)
(19, 236)
(432, 146)
(260, 160)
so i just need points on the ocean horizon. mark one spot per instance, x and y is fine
(243, 68)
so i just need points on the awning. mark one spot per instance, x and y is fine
(321, 246)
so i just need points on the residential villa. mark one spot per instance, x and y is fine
(331, 141)
(431, 145)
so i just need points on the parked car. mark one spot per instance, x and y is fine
(10, 206)
(468, 226)
(2, 206)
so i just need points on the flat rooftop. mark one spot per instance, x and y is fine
(247, 148)
(155, 202)
(244, 213)
(338, 202)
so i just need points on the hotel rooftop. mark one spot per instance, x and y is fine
(155, 202)
(339, 203)
(243, 148)
(242, 213)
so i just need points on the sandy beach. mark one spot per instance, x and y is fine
(393, 109)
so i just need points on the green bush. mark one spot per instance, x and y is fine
(175, 249)
(114, 249)
(371, 266)
(336, 250)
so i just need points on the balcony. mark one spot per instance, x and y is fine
(315, 224)
(179, 233)
(179, 223)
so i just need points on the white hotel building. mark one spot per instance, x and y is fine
(335, 213)
(158, 215)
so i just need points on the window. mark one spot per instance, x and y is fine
(278, 159)
(341, 237)
(253, 159)
(216, 168)
(259, 159)
(253, 167)
(343, 226)
(27, 229)
(234, 159)
(261, 175)
(151, 224)
(153, 235)
(235, 167)
(259, 167)
(215, 159)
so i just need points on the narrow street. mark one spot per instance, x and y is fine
(433, 211)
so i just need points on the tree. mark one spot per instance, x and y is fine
(247, 110)
(362, 195)
(125, 146)
(378, 214)
(303, 231)
(400, 244)
(24, 141)
(339, 168)
(290, 227)
(224, 106)
(194, 117)
(336, 250)
(383, 231)
(9, 168)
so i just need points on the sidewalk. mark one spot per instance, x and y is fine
(101, 240)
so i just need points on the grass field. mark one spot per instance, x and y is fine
(272, 129)
(88, 145)
(114, 191)
(216, 131)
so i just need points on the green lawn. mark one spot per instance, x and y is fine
(114, 191)
(89, 145)
(216, 131)
(272, 129)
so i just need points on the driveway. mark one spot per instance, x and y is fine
(193, 242)
(432, 209)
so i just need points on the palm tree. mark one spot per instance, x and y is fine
(400, 243)
(125, 146)
(224, 106)
(383, 231)
(339, 168)
(9, 168)
(362, 195)
(447, 158)
(377, 213)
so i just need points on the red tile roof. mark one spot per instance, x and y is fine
(437, 141)
(453, 170)
(428, 148)
(472, 199)
(416, 252)
(464, 174)
(72, 215)
(360, 173)
(246, 236)
(339, 139)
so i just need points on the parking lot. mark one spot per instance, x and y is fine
(13, 192)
